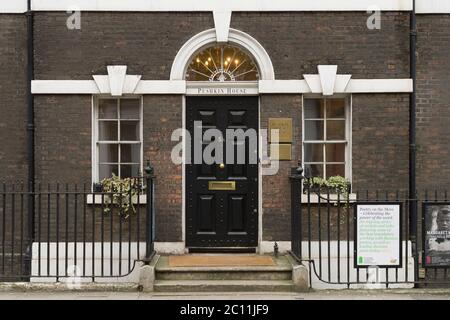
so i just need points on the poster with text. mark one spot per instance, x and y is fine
(437, 234)
(378, 235)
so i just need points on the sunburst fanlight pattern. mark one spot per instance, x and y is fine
(222, 63)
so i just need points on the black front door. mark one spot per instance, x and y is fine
(222, 198)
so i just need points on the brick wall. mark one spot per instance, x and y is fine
(162, 115)
(146, 42)
(276, 189)
(63, 138)
(13, 56)
(433, 102)
(380, 141)
(298, 42)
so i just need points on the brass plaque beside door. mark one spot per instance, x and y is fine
(284, 127)
(284, 152)
(222, 185)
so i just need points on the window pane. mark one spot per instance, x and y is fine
(108, 153)
(314, 170)
(106, 170)
(335, 129)
(128, 171)
(314, 108)
(107, 130)
(130, 153)
(129, 108)
(335, 152)
(335, 170)
(107, 109)
(336, 108)
(314, 130)
(313, 152)
(129, 130)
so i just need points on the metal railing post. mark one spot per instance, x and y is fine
(150, 234)
(296, 204)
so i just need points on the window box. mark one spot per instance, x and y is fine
(324, 190)
(96, 199)
(314, 198)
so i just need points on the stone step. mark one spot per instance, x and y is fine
(223, 286)
(281, 271)
(199, 274)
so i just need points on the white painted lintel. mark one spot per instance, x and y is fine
(90, 87)
(180, 87)
(354, 86)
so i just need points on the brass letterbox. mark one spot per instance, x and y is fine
(222, 185)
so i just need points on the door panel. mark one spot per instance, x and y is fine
(223, 218)
(206, 219)
(237, 210)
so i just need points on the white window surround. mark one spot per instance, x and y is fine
(209, 37)
(314, 198)
(95, 160)
(348, 130)
(97, 198)
(422, 6)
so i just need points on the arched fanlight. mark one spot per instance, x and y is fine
(222, 63)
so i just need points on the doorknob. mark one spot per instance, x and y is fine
(221, 166)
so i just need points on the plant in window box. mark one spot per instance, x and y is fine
(122, 193)
(333, 185)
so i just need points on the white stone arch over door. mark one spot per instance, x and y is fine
(208, 37)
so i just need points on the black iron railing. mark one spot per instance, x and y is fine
(323, 235)
(74, 231)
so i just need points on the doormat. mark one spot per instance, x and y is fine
(220, 261)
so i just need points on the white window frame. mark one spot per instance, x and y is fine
(95, 148)
(348, 128)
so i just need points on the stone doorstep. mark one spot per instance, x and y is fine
(277, 278)
(283, 264)
(281, 271)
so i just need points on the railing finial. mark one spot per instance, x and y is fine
(299, 169)
(149, 169)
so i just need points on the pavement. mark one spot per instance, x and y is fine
(394, 294)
